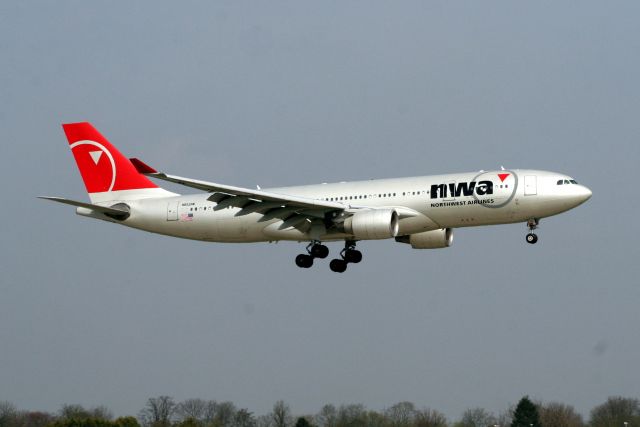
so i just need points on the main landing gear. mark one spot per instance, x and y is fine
(315, 249)
(532, 224)
(348, 255)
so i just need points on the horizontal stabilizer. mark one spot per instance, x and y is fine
(113, 212)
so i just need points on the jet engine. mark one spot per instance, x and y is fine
(372, 224)
(433, 239)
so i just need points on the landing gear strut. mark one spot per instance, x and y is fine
(315, 249)
(532, 224)
(348, 255)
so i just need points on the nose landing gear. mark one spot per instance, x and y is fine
(348, 255)
(315, 249)
(531, 236)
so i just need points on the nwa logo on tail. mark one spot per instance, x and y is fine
(99, 175)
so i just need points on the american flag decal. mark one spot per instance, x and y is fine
(186, 216)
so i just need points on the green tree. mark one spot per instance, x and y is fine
(8, 414)
(81, 422)
(126, 422)
(401, 414)
(243, 418)
(352, 416)
(188, 422)
(36, 419)
(526, 414)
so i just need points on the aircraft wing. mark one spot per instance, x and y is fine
(249, 200)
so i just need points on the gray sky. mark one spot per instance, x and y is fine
(279, 93)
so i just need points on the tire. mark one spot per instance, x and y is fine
(338, 265)
(352, 255)
(532, 238)
(319, 251)
(304, 261)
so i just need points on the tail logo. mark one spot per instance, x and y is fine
(95, 155)
(94, 167)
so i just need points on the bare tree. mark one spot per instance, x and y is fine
(264, 421)
(210, 409)
(429, 418)
(505, 418)
(327, 417)
(281, 414)
(616, 411)
(555, 414)
(352, 416)
(158, 412)
(192, 408)
(477, 417)
(401, 414)
(376, 419)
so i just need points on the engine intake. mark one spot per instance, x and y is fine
(433, 239)
(372, 224)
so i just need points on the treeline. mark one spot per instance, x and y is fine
(164, 411)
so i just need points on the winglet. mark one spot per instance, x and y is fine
(142, 167)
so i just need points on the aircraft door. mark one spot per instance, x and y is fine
(530, 185)
(172, 211)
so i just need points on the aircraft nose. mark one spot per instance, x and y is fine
(582, 194)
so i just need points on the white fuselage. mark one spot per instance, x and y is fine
(430, 203)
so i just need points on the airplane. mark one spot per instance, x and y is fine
(419, 211)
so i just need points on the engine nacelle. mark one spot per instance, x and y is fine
(372, 224)
(433, 239)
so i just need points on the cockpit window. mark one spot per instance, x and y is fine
(566, 181)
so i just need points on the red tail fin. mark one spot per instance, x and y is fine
(102, 166)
